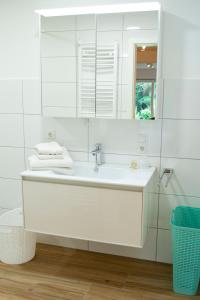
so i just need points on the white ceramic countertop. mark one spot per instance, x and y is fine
(108, 176)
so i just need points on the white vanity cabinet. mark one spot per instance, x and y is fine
(90, 213)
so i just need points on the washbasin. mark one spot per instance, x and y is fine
(84, 173)
(103, 172)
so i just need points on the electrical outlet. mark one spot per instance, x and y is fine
(51, 135)
(142, 143)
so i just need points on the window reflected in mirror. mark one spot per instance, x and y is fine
(145, 85)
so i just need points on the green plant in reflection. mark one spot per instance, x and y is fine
(144, 101)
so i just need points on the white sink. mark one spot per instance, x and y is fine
(85, 174)
(103, 172)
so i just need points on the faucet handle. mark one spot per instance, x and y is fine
(98, 146)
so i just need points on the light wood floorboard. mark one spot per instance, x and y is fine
(68, 274)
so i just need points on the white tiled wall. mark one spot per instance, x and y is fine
(122, 137)
(11, 97)
(31, 96)
(172, 141)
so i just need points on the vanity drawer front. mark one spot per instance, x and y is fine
(89, 213)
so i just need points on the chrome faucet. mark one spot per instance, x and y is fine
(97, 152)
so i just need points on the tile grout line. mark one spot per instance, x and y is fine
(52, 82)
(159, 186)
(9, 178)
(2, 207)
(112, 153)
(77, 68)
(179, 195)
(23, 123)
(92, 29)
(180, 119)
(10, 113)
(15, 147)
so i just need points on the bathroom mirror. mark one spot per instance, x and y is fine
(101, 65)
(68, 66)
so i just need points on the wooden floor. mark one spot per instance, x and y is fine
(60, 273)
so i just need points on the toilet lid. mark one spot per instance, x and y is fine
(12, 218)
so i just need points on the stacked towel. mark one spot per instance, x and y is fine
(52, 148)
(51, 156)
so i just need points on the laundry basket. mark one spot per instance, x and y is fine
(17, 245)
(185, 223)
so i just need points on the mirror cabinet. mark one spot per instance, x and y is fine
(101, 65)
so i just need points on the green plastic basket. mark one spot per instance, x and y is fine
(185, 223)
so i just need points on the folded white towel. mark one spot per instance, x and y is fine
(61, 171)
(66, 162)
(49, 148)
(49, 156)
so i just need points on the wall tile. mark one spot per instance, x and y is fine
(153, 207)
(183, 181)
(147, 252)
(59, 69)
(125, 73)
(85, 36)
(58, 23)
(168, 202)
(11, 96)
(182, 134)
(11, 130)
(58, 44)
(32, 130)
(126, 108)
(164, 251)
(144, 20)
(85, 22)
(15, 157)
(3, 210)
(59, 112)
(181, 98)
(110, 37)
(59, 94)
(73, 133)
(79, 155)
(108, 22)
(27, 152)
(125, 159)
(122, 137)
(11, 191)
(181, 47)
(32, 96)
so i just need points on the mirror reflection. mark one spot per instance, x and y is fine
(145, 86)
(100, 66)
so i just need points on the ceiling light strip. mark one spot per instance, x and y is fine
(100, 9)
